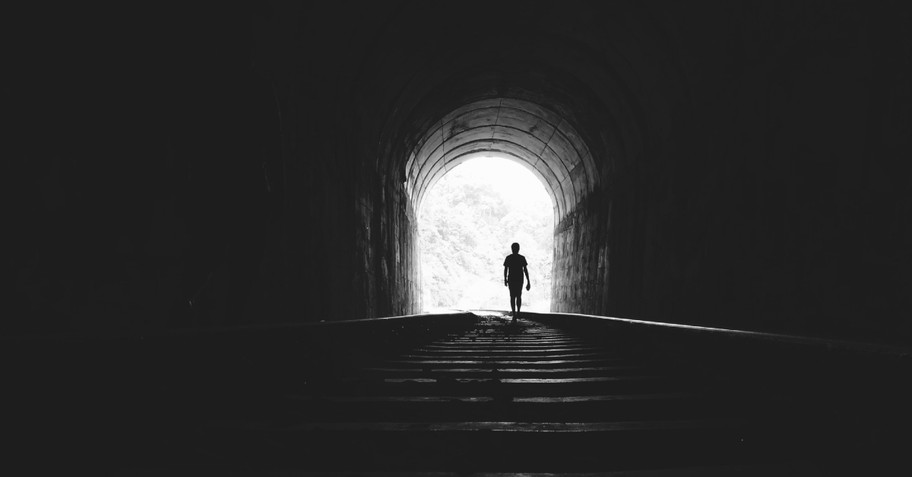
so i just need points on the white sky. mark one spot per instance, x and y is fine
(509, 176)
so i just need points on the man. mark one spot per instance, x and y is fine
(514, 269)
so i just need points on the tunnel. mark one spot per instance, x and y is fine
(734, 166)
(212, 236)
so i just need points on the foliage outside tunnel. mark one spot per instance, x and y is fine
(466, 225)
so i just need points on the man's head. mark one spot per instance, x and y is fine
(515, 247)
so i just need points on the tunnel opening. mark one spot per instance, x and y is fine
(519, 129)
(541, 139)
(466, 223)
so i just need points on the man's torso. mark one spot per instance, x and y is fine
(515, 264)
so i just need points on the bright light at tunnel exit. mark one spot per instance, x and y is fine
(467, 222)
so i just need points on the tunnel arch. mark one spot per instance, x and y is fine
(427, 109)
(524, 130)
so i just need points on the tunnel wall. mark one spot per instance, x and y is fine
(580, 268)
(771, 191)
(798, 216)
(347, 248)
(196, 169)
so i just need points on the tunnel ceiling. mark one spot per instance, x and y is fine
(562, 101)
(526, 131)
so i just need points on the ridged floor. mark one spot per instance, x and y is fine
(514, 397)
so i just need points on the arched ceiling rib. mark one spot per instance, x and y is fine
(523, 130)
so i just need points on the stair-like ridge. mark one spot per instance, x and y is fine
(507, 396)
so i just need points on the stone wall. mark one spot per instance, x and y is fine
(580, 279)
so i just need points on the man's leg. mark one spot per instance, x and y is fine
(515, 297)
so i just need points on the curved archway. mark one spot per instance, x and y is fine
(526, 131)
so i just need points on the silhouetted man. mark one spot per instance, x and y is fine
(514, 269)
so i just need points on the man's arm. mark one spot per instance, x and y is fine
(528, 281)
(505, 275)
